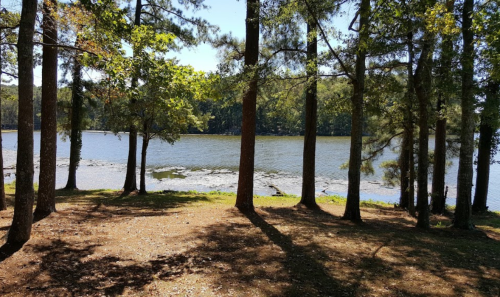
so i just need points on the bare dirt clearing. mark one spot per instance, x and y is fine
(99, 243)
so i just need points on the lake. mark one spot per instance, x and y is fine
(210, 162)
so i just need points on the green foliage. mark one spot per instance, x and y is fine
(165, 104)
(9, 106)
(486, 25)
(392, 173)
(167, 17)
(439, 20)
(9, 22)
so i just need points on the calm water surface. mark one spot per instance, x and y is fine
(210, 162)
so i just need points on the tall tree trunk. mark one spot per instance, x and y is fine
(352, 211)
(438, 198)
(411, 189)
(76, 123)
(20, 230)
(145, 144)
(244, 198)
(423, 81)
(3, 202)
(130, 184)
(483, 167)
(309, 159)
(130, 177)
(463, 211)
(407, 143)
(489, 116)
(46, 203)
(404, 166)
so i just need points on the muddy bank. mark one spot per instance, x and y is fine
(97, 174)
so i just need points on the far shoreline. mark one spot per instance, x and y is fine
(215, 134)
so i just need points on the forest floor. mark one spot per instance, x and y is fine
(102, 243)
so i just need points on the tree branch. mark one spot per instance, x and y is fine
(386, 144)
(390, 67)
(332, 75)
(9, 27)
(10, 74)
(66, 47)
(323, 34)
(172, 12)
(151, 15)
(11, 44)
(352, 22)
(289, 50)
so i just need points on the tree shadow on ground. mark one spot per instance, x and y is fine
(277, 252)
(104, 206)
(444, 253)
(255, 258)
(158, 200)
(73, 271)
(309, 273)
(7, 250)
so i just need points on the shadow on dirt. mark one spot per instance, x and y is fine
(156, 200)
(74, 272)
(275, 252)
(8, 250)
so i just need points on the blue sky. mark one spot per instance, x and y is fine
(229, 15)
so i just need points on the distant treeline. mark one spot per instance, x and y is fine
(279, 112)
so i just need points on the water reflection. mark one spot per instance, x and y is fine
(210, 162)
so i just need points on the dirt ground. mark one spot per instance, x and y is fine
(196, 247)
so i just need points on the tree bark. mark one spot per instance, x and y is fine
(76, 123)
(406, 156)
(3, 202)
(352, 211)
(130, 184)
(46, 203)
(145, 144)
(244, 198)
(20, 230)
(130, 177)
(463, 210)
(438, 198)
(411, 191)
(483, 168)
(489, 115)
(423, 81)
(308, 198)
(404, 166)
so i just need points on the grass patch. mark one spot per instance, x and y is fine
(488, 221)
(163, 199)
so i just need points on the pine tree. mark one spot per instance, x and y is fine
(20, 230)
(48, 147)
(244, 198)
(463, 210)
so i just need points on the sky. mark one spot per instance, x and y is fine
(228, 15)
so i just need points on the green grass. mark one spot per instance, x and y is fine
(162, 199)
(489, 220)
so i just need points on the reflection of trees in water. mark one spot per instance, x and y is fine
(205, 161)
